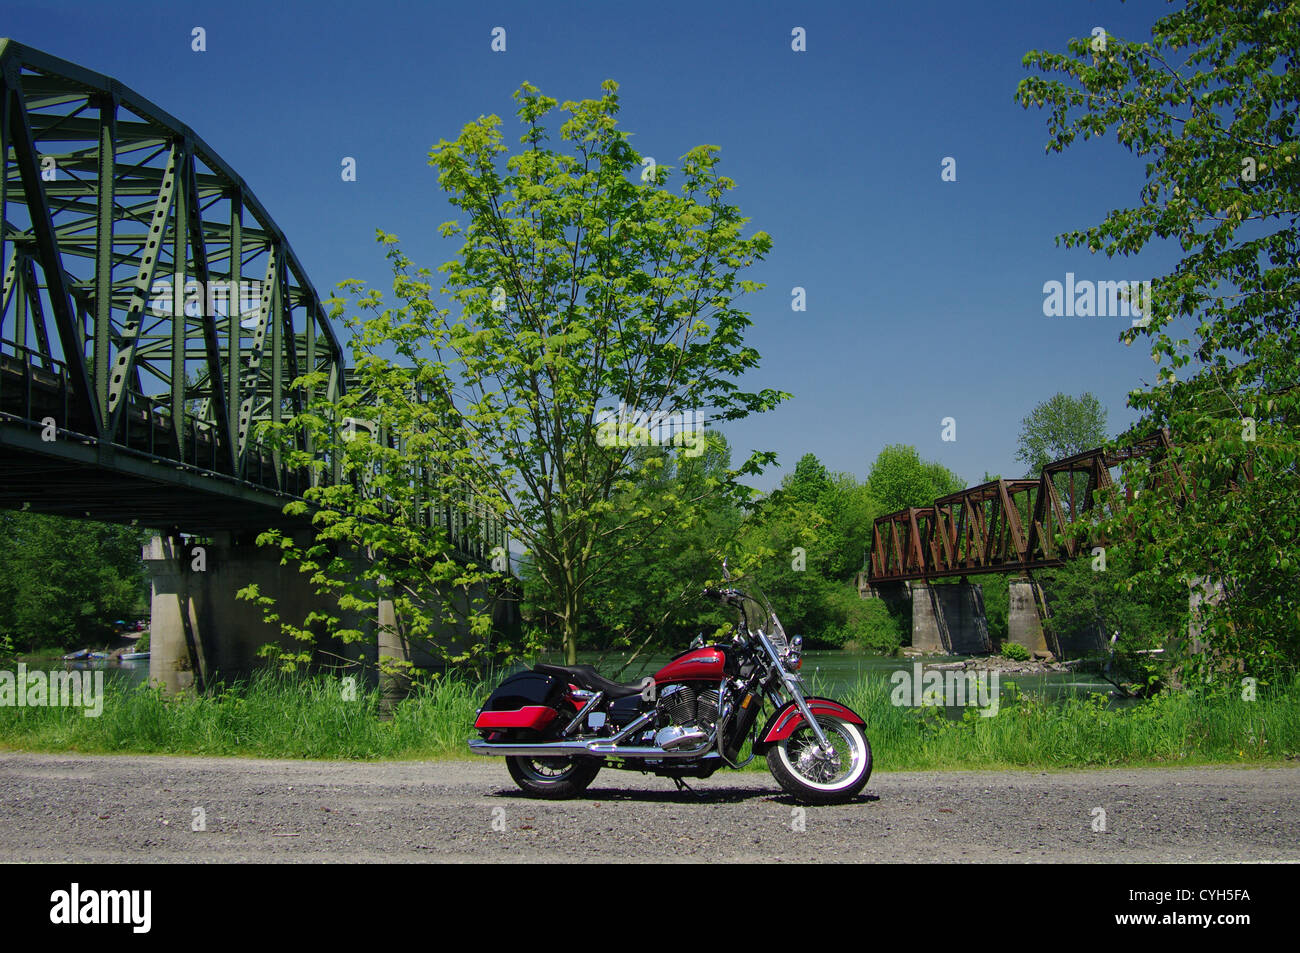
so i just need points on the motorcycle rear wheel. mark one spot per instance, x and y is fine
(553, 778)
(803, 772)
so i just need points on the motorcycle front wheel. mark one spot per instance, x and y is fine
(554, 778)
(814, 776)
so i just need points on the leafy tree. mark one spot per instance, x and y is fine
(1060, 427)
(808, 481)
(804, 543)
(1085, 600)
(850, 511)
(865, 625)
(1211, 102)
(780, 551)
(843, 508)
(648, 596)
(389, 524)
(997, 606)
(65, 582)
(589, 308)
(899, 478)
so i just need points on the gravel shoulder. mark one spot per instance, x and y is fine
(127, 808)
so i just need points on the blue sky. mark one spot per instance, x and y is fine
(924, 297)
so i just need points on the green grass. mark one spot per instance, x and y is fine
(268, 716)
(275, 716)
(1028, 732)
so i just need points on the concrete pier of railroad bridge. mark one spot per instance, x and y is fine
(949, 618)
(201, 631)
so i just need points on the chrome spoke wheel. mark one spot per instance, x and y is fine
(822, 774)
(821, 766)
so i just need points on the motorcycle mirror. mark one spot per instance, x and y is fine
(725, 574)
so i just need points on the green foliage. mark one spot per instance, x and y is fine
(796, 545)
(1015, 651)
(1210, 102)
(899, 478)
(579, 289)
(648, 596)
(861, 625)
(1084, 598)
(997, 606)
(367, 543)
(804, 543)
(1060, 427)
(64, 582)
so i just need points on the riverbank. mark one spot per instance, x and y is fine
(274, 716)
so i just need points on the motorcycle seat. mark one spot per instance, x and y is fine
(584, 676)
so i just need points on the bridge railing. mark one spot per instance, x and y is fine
(35, 392)
(33, 396)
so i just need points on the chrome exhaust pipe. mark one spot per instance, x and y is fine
(632, 728)
(588, 749)
(554, 749)
(656, 754)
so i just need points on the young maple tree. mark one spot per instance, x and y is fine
(585, 285)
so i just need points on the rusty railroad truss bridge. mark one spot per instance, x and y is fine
(1005, 527)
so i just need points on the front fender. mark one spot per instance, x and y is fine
(783, 724)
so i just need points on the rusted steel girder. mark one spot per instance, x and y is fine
(1004, 526)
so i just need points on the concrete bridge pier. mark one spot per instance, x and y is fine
(200, 630)
(949, 618)
(1024, 622)
(176, 659)
(198, 627)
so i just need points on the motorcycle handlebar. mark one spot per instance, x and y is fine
(725, 596)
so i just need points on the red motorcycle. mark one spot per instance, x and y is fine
(558, 725)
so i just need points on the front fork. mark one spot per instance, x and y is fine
(789, 687)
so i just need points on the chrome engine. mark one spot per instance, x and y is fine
(685, 715)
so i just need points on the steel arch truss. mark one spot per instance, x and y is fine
(144, 281)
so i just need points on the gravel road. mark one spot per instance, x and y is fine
(57, 808)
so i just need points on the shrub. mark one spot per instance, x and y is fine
(1015, 651)
(863, 624)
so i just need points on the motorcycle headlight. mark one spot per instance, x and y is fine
(794, 654)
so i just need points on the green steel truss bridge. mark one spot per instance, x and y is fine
(152, 314)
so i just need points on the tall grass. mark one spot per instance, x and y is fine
(277, 716)
(270, 715)
(1030, 732)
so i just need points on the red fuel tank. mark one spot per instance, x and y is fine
(706, 663)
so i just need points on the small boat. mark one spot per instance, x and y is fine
(77, 656)
(98, 655)
(133, 656)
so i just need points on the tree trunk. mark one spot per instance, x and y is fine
(570, 623)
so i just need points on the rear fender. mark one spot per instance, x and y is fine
(783, 724)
